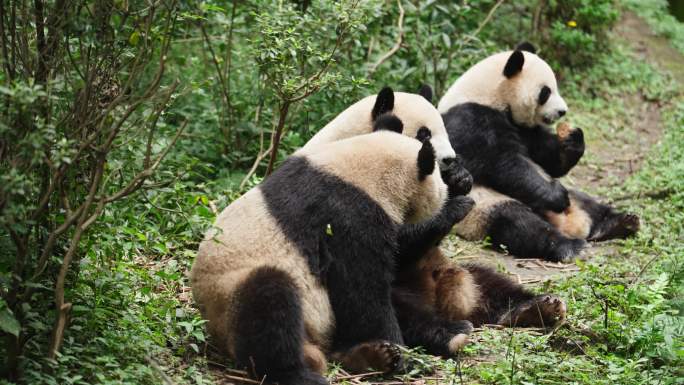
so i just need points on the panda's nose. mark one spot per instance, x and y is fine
(447, 163)
(561, 113)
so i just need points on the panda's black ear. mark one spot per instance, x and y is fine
(388, 122)
(514, 64)
(426, 160)
(526, 46)
(426, 92)
(383, 103)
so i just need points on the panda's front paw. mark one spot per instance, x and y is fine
(558, 199)
(574, 142)
(457, 178)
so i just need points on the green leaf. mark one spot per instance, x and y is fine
(8, 323)
(135, 38)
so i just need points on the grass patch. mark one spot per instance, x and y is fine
(657, 15)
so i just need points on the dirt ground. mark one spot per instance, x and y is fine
(612, 158)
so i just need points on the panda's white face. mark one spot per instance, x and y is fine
(518, 81)
(422, 121)
(535, 99)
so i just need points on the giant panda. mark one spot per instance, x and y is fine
(419, 117)
(301, 265)
(498, 115)
(431, 305)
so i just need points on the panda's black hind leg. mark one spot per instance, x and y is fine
(422, 326)
(545, 310)
(606, 222)
(522, 233)
(270, 331)
(615, 226)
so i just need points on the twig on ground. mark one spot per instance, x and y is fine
(239, 378)
(155, 365)
(354, 376)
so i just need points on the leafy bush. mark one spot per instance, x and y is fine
(576, 30)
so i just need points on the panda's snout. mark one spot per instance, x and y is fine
(446, 162)
(552, 117)
(450, 162)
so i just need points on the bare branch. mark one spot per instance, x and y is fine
(483, 23)
(140, 178)
(397, 45)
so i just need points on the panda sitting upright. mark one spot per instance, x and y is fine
(498, 115)
(302, 265)
(435, 299)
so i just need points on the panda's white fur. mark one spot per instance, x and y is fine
(246, 236)
(414, 111)
(474, 226)
(484, 83)
(389, 181)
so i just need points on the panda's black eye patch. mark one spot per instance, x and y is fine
(423, 134)
(544, 95)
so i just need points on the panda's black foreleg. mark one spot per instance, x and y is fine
(366, 328)
(557, 156)
(270, 329)
(421, 326)
(522, 233)
(516, 176)
(416, 239)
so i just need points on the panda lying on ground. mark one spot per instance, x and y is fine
(302, 265)
(431, 294)
(498, 115)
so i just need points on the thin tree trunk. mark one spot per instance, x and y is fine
(275, 139)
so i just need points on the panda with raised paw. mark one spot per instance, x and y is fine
(498, 115)
(302, 265)
(432, 295)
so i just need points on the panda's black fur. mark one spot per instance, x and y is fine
(495, 152)
(289, 194)
(424, 274)
(507, 157)
(348, 243)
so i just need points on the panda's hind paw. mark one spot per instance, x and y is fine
(460, 327)
(377, 355)
(457, 342)
(546, 310)
(567, 250)
(618, 226)
(388, 357)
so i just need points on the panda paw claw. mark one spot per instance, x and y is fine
(546, 310)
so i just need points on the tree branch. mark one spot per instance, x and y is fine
(397, 45)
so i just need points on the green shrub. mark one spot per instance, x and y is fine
(575, 30)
